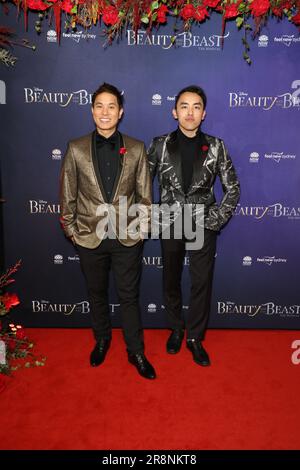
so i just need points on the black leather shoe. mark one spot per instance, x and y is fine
(174, 341)
(200, 356)
(99, 352)
(143, 366)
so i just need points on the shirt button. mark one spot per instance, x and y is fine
(108, 177)
(107, 164)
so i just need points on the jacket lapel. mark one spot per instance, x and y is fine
(172, 154)
(198, 178)
(120, 172)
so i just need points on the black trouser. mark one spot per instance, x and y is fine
(201, 274)
(126, 265)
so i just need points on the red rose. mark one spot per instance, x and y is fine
(211, 3)
(204, 148)
(201, 13)
(123, 150)
(286, 5)
(110, 15)
(187, 12)
(259, 7)
(11, 344)
(67, 6)
(231, 11)
(296, 18)
(10, 300)
(37, 5)
(20, 334)
(161, 14)
(277, 12)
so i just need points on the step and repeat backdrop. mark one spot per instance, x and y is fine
(45, 102)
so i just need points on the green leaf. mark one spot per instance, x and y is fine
(145, 19)
(239, 21)
(74, 9)
(154, 5)
(242, 7)
(247, 58)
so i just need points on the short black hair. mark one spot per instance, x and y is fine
(108, 88)
(192, 89)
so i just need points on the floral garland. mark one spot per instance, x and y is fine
(7, 41)
(15, 346)
(118, 14)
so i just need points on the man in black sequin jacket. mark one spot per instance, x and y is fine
(187, 162)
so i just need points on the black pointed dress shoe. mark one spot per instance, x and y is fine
(200, 356)
(174, 341)
(99, 352)
(143, 366)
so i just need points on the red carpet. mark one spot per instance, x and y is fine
(247, 399)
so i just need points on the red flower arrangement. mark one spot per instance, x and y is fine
(123, 150)
(7, 300)
(15, 346)
(116, 14)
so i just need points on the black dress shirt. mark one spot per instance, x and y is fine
(189, 150)
(108, 158)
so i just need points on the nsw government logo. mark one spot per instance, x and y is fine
(156, 99)
(254, 157)
(58, 259)
(247, 261)
(152, 308)
(56, 154)
(263, 41)
(51, 36)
